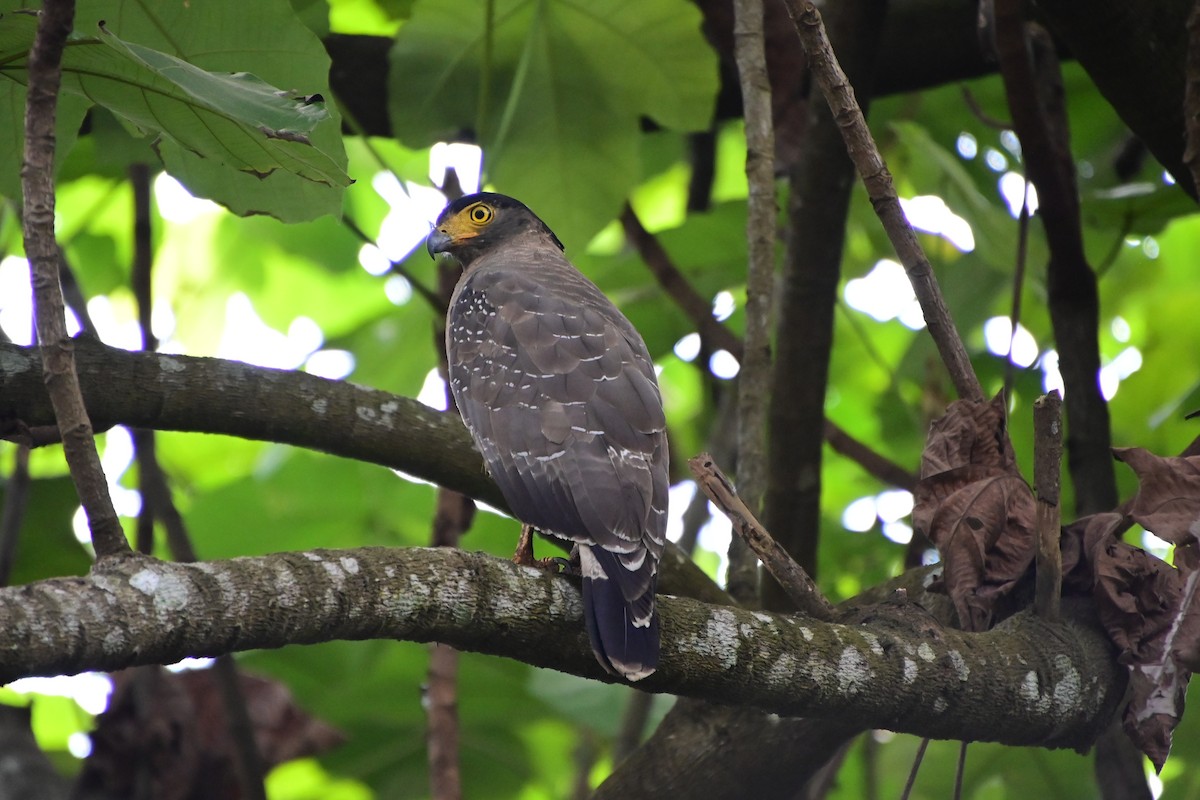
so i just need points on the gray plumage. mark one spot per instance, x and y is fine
(559, 393)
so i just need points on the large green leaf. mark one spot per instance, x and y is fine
(15, 37)
(553, 90)
(189, 73)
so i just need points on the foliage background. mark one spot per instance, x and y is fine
(560, 115)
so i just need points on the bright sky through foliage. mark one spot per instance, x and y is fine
(929, 213)
(1012, 185)
(886, 294)
(998, 334)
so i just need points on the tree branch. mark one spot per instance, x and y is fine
(58, 361)
(692, 303)
(790, 576)
(754, 378)
(1024, 682)
(878, 181)
(211, 395)
(1033, 84)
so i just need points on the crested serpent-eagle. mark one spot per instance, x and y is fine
(559, 393)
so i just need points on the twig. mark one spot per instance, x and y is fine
(876, 465)
(633, 725)
(396, 267)
(700, 313)
(58, 356)
(452, 519)
(912, 773)
(960, 770)
(981, 115)
(73, 296)
(584, 756)
(143, 253)
(878, 181)
(790, 575)
(1047, 459)
(693, 304)
(754, 377)
(1034, 87)
(702, 155)
(140, 282)
(1018, 286)
(247, 758)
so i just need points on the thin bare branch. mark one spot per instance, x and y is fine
(878, 181)
(158, 503)
(790, 575)
(1047, 466)
(676, 286)
(912, 773)
(58, 356)
(1034, 87)
(1018, 285)
(633, 725)
(754, 377)
(452, 518)
(875, 464)
(397, 267)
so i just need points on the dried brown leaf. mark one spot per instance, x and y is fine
(1168, 497)
(1140, 601)
(1079, 541)
(1158, 687)
(969, 433)
(985, 533)
(1186, 644)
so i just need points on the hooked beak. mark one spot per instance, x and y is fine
(438, 242)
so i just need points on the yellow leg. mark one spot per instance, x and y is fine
(524, 553)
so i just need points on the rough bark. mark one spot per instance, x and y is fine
(1023, 683)
(211, 395)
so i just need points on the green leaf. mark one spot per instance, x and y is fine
(238, 120)
(46, 546)
(554, 93)
(16, 36)
(185, 75)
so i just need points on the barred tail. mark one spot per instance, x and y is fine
(618, 607)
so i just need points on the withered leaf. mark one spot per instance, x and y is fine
(1186, 643)
(969, 433)
(1158, 687)
(1168, 497)
(1078, 542)
(1139, 599)
(985, 533)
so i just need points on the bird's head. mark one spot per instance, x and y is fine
(472, 224)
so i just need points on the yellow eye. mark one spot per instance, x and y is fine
(480, 214)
